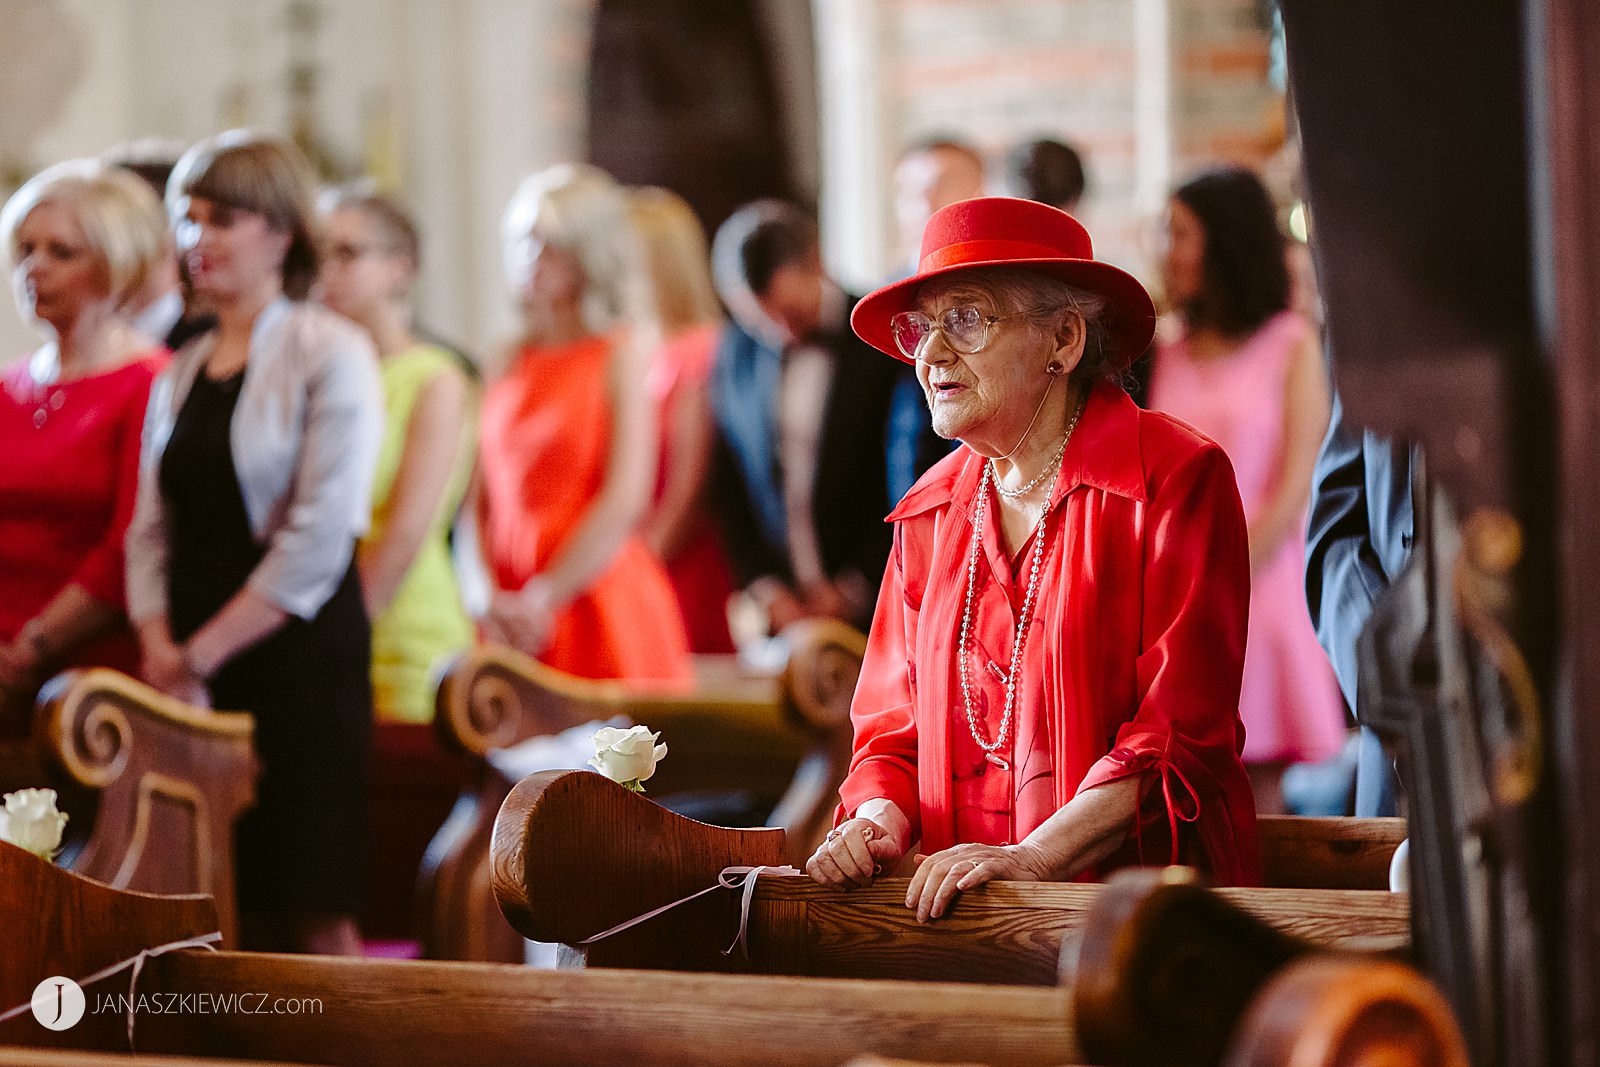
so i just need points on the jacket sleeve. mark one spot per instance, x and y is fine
(883, 759)
(1343, 576)
(749, 555)
(330, 495)
(145, 547)
(102, 573)
(1186, 729)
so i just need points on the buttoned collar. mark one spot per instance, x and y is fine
(1103, 453)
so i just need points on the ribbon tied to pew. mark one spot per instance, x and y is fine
(742, 879)
(136, 962)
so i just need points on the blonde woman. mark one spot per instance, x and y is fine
(686, 321)
(371, 255)
(259, 448)
(569, 445)
(83, 238)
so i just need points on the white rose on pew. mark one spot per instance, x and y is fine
(628, 757)
(30, 820)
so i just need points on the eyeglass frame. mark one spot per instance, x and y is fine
(988, 324)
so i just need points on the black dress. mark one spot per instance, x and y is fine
(308, 685)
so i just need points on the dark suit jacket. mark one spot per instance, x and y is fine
(850, 497)
(1359, 540)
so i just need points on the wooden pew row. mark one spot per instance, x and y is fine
(423, 1013)
(152, 786)
(786, 741)
(575, 854)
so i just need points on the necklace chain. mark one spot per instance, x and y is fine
(964, 650)
(1049, 469)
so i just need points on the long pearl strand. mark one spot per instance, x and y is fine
(964, 651)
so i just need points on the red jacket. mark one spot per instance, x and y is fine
(1132, 662)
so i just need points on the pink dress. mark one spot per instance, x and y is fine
(1289, 700)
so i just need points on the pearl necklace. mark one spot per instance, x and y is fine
(964, 651)
(1033, 483)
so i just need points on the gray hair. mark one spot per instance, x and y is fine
(1046, 301)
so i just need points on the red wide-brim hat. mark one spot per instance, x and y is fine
(1001, 231)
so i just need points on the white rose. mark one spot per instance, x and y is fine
(30, 820)
(627, 756)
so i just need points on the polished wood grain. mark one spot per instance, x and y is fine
(54, 922)
(19, 1056)
(574, 854)
(1328, 853)
(448, 1014)
(169, 782)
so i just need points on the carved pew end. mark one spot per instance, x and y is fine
(1340, 1011)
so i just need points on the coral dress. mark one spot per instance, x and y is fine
(546, 442)
(1289, 700)
(700, 573)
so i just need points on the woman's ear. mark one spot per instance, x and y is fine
(1070, 337)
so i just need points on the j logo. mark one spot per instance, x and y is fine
(58, 1003)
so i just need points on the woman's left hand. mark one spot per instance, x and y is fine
(944, 874)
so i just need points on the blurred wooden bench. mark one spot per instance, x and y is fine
(153, 787)
(783, 741)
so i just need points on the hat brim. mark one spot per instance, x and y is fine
(1129, 317)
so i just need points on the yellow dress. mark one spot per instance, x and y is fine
(425, 621)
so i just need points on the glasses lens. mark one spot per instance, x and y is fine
(965, 328)
(910, 328)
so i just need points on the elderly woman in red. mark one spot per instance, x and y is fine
(1051, 685)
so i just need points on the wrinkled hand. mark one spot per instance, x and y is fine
(941, 876)
(522, 620)
(853, 854)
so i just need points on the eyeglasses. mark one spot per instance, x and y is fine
(965, 329)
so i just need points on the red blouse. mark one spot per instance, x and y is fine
(1131, 664)
(66, 492)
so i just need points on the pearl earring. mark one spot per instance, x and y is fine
(1054, 368)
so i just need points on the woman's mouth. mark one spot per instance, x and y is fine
(946, 390)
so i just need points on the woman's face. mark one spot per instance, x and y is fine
(1183, 262)
(542, 276)
(230, 251)
(360, 274)
(57, 274)
(987, 398)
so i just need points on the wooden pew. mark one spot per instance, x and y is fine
(784, 740)
(425, 1013)
(575, 854)
(153, 786)
(1340, 852)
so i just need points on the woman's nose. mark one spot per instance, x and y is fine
(934, 352)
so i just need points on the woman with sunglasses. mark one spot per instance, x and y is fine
(1051, 684)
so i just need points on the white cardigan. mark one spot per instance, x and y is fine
(305, 438)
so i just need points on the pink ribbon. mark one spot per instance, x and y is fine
(205, 941)
(740, 878)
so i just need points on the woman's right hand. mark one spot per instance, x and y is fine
(853, 854)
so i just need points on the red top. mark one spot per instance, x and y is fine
(545, 450)
(1131, 664)
(71, 465)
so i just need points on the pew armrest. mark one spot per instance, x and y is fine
(170, 781)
